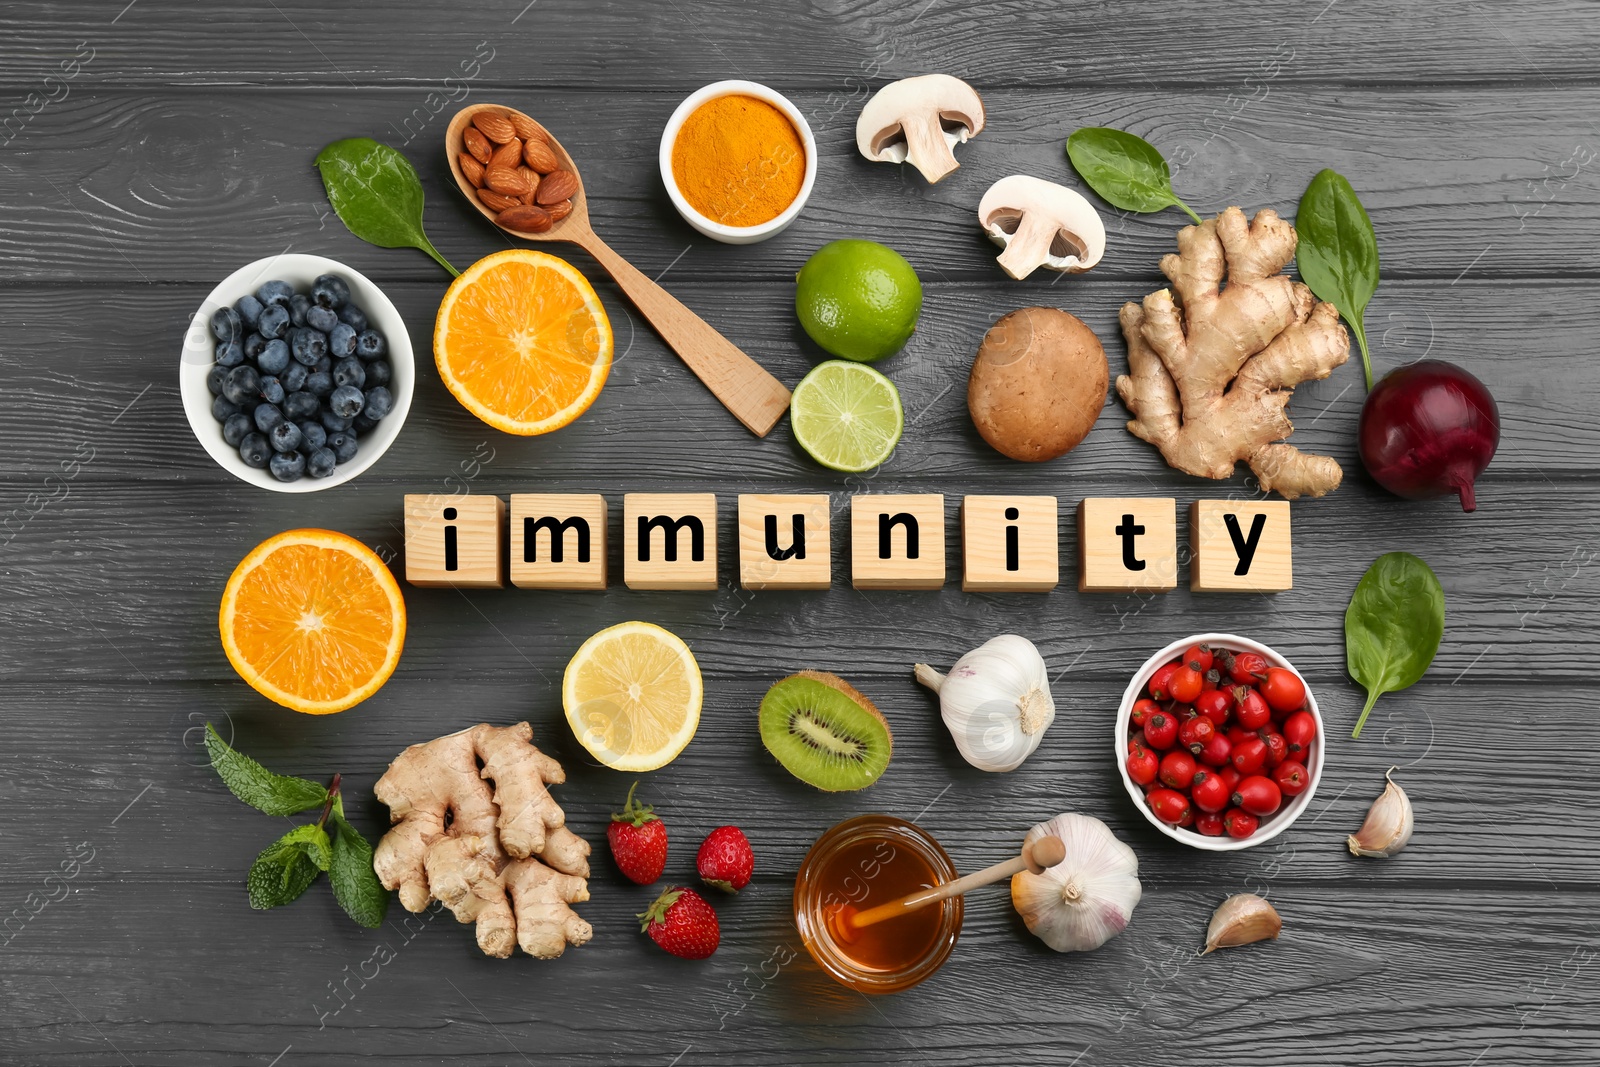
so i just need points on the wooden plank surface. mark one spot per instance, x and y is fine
(178, 147)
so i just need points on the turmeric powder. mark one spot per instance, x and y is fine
(738, 160)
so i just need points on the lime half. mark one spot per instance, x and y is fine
(846, 415)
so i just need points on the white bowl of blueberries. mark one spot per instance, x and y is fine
(297, 373)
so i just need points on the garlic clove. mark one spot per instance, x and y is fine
(1242, 919)
(1388, 825)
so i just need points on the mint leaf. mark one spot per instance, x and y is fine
(355, 884)
(289, 865)
(275, 794)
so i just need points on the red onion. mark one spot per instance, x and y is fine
(1427, 429)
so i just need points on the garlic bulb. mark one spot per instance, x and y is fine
(995, 702)
(1242, 919)
(1388, 824)
(1086, 899)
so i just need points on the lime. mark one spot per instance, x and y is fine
(858, 299)
(847, 416)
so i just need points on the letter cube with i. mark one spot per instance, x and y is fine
(897, 541)
(558, 540)
(669, 540)
(1240, 546)
(455, 540)
(783, 542)
(1127, 544)
(1009, 544)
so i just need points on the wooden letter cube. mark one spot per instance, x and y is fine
(455, 540)
(1240, 546)
(1010, 544)
(558, 540)
(1127, 544)
(783, 542)
(669, 540)
(897, 541)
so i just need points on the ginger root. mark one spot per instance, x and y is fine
(1212, 368)
(478, 850)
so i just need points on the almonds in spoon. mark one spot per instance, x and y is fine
(515, 172)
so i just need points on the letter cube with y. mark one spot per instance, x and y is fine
(558, 540)
(897, 541)
(1009, 544)
(455, 540)
(1127, 544)
(783, 542)
(1240, 546)
(669, 540)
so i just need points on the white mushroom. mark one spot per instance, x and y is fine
(1041, 224)
(920, 119)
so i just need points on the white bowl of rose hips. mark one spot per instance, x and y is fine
(1244, 774)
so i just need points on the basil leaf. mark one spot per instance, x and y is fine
(355, 885)
(1338, 252)
(376, 192)
(1125, 170)
(275, 794)
(1393, 626)
(289, 865)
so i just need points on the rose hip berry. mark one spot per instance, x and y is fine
(1300, 729)
(1214, 704)
(1277, 747)
(1161, 731)
(1229, 776)
(1292, 777)
(1249, 756)
(1253, 712)
(1185, 684)
(1217, 751)
(1258, 795)
(1142, 766)
(1239, 823)
(1209, 824)
(1195, 733)
(1282, 689)
(1210, 794)
(1199, 657)
(1142, 710)
(1169, 805)
(1159, 680)
(1177, 769)
(1245, 666)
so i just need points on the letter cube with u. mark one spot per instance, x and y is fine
(669, 540)
(783, 542)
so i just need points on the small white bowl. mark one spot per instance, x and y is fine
(737, 235)
(1280, 820)
(199, 349)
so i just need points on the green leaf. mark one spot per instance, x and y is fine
(376, 192)
(275, 794)
(1125, 170)
(1338, 252)
(285, 868)
(355, 885)
(1393, 626)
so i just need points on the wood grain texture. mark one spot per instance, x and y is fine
(179, 147)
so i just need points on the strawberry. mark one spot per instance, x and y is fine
(725, 860)
(681, 922)
(638, 841)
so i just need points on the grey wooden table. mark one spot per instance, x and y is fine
(148, 148)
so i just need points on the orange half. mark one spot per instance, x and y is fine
(523, 341)
(313, 620)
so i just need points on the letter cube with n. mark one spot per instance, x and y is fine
(558, 540)
(783, 542)
(1127, 544)
(455, 540)
(1240, 546)
(669, 540)
(897, 541)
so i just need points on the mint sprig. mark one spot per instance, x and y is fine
(275, 794)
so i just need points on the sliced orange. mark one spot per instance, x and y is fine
(522, 341)
(313, 620)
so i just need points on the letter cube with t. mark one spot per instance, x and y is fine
(897, 541)
(1240, 546)
(558, 540)
(455, 540)
(783, 542)
(669, 540)
(1127, 544)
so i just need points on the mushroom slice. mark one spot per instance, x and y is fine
(1041, 224)
(920, 119)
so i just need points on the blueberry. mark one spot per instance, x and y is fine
(363, 423)
(254, 345)
(294, 378)
(275, 357)
(379, 403)
(242, 384)
(321, 318)
(285, 437)
(334, 425)
(370, 344)
(237, 428)
(344, 446)
(222, 407)
(275, 292)
(274, 321)
(230, 353)
(226, 324)
(323, 366)
(379, 373)
(308, 346)
(346, 402)
(349, 372)
(215, 377)
(319, 383)
(254, 450)
(313, 434)
(301, 405)
(329, 291)
(342, 340)
(321, 462)
(298, 306)
(288, 466)
(271, 391)
(249, 309)
(267, 416)
(354, 317)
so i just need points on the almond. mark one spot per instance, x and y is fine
(495, 202)
(507, 155)
(505, 181)
(495, 126)
(525, 219)
(526, 128)
(533, 180)
(477, 144)
(559, 210)
(471, 168)
(540, 156)
(557, 185)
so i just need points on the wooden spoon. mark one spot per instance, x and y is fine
(745, 388)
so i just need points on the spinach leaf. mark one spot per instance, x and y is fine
(1338, 252)
(355, 884)
(288, 866)
(1125, 170)
(1393, 626)
(377, 194)
(275, 794)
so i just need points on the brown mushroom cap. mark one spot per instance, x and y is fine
(1038, 384)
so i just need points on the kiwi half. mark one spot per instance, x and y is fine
(825, 732)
